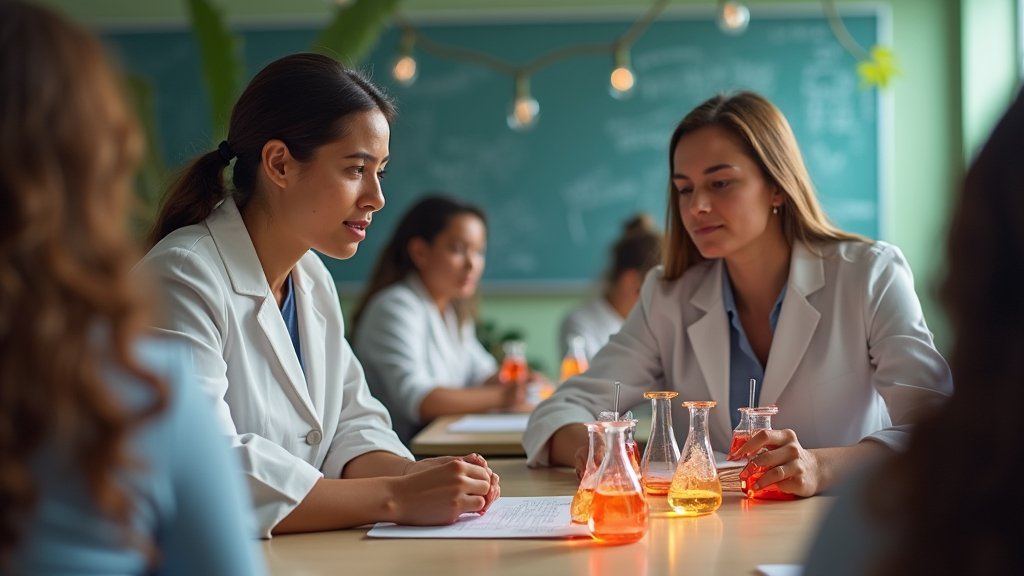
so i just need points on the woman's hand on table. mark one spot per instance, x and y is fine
(466, 470)
(790, 467)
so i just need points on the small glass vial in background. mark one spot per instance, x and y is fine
(757, 419)
(582, 501)
(619, 512)
(513, 363)
(695, 488)
(575, 360)
(662, 454)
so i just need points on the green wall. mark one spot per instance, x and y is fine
(959, 67)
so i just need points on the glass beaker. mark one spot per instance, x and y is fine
(619, 511)
(662, 454)
(581, 502)
(695, 487)
(513, 362)
(575, 360)
(759, 418)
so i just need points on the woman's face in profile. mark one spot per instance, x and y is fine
(452, 264)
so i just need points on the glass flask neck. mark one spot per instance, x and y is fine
(616, 470)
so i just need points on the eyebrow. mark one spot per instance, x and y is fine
(709, 170)
(366, 156)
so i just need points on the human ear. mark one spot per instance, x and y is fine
(417, 249)
(276, 162)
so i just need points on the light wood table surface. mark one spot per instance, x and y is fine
(436, 440)
(739, 536)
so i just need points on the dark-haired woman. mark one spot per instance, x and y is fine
(242, 286)
(636, 251)
(414, 331)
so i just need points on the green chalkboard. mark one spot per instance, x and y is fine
(558, 194)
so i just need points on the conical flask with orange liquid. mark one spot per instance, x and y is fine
(619, 510)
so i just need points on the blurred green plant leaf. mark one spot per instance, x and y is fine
(152, 174)
(220, 53)
(354, 30)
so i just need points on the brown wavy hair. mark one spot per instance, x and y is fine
(952, 496)
(766, 137)
(69, 147)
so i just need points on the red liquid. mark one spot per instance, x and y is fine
(618, 517)
(513, 370)
(738, 439)
(747, 481)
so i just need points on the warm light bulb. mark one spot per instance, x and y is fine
(524, 113)
(622, 81)
(733, 18)
(404, 70)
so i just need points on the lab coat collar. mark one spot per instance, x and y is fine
(235, 245)
(798, 319)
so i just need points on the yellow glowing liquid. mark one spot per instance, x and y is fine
(695, 502)
(581, 505)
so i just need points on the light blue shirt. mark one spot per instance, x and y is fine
(189, 497)
(291, 318)
(743, 363)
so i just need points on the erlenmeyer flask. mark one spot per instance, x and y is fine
(759, 418)
(632, 450)
(619, 511)
(662, 454)
(695, 487)
(581, 502)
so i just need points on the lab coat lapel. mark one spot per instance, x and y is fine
(438, 329)
(797, 321)
(247, 279)
(312, 334)
(709, 337)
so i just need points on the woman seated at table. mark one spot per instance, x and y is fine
(948, 505)
(243, 287)
(414, 330)
(109, 458)
(633, 255)
(758, 284)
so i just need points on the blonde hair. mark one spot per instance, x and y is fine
(766, 138)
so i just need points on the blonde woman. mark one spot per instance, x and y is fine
(758, 284)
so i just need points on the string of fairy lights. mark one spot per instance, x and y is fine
(731, 16)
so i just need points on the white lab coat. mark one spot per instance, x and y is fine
(290, 428)
(409, 348)
(851, 356)
(595, 321)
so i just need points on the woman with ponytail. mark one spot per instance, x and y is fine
(107, 464)
(241, 285)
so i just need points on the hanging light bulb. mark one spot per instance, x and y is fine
(733, 17)
(622, 78)
(404, 69)
(523, 113)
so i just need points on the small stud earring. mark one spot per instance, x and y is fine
(775, 210)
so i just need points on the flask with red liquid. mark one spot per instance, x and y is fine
(619, 510)
(753, 420)
(513, 363)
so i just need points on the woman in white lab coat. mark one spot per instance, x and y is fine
(632, 256)
(414, 329)
(758, 284)
(242, 286)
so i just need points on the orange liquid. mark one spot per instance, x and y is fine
(572, 366)
(513, 370)
(738, 439)
(633, 451)
(618, 517)
(582, 504)
(657, 486)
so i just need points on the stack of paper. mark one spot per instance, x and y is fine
(508, 517)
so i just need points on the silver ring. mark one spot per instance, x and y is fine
(782, 470)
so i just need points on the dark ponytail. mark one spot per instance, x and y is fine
(639, 247)
(302, 100)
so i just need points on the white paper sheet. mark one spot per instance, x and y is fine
(490, 423)
(780, 570)
(508, 517)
